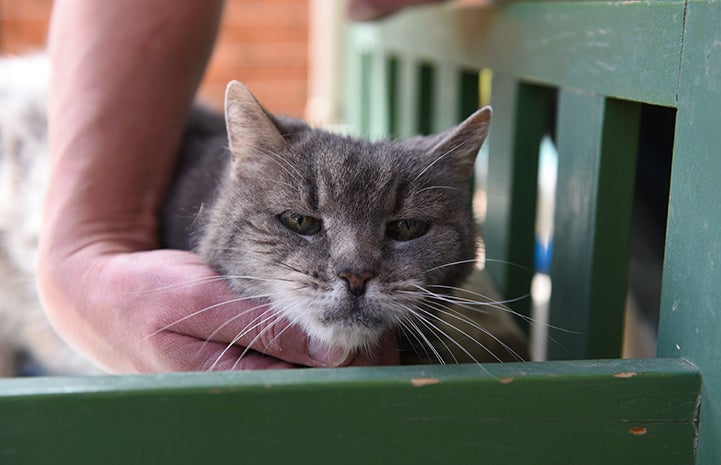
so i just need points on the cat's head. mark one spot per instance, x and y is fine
(340, 235)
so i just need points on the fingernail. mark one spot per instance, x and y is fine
(326, 355)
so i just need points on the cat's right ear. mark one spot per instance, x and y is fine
(251, 132)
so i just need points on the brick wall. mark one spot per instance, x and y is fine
(263, 43)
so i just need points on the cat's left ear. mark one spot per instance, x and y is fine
(251, 132)
(462, 143)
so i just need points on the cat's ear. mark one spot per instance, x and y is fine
(251, 132)
(462, 143)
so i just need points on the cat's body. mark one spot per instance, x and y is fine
(344, 237)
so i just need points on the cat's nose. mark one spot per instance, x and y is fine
(356, 281)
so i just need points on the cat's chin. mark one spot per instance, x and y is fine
(349, 337)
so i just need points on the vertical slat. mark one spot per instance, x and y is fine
(354, 85)
(408, 95)
(690, 325)
(445, 95)
(517, 128)
(364, 89)
(597, 144)
(392, 76)
(378, 123)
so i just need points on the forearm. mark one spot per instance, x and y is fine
(124, 74)
(123, 77)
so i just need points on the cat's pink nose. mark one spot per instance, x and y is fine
(356, 281)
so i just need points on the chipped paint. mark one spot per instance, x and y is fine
(625, 374)
(638, 430)
(505, 380)
(418, 382)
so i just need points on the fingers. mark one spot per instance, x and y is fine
(209, 311)
(177, 352)
(164, 310)
(386, 353)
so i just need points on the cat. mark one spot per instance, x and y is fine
(345, 237)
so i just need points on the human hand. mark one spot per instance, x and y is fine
(165, 310)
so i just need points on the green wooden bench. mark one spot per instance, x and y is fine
(418, 72)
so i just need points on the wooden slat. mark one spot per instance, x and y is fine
(596, 412)
(408, 94)
(378, 97)
(518, 125)
(597, 145)
(445, 93)
(623, 49)
(691, 303)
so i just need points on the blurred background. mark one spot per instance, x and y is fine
(274, 46)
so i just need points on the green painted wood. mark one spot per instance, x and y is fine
(596, 412)
(378, 97)
(691, 298)
(657, 52)
(392, 83)
(629, 50)
(408, 95)
(445, 94)
(597, 143)
(517, 127)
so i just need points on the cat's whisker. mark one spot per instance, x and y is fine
(441, 157)
(441, 187)
(506, 262)
(405, 329)
(258, 321)
(207, 279)
(256, 278)
(428, 315)
(416, 330)
(471, 304)
(455, 314)
(233, 318)
(277, 311)
(273, 309)
(456, 263)
(497, 304)
(276, 181)
(208, 308)
(437, 332)
(284, 164)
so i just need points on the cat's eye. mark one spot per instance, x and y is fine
(406, 230)
(300, 224)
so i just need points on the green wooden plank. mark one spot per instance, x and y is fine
(624, 49)
(392, 82)
(365, 89)
(445, 93)
(596, 412)
(518, 125)
(690, 324)
(597, 145)
(408, 95)
(354, 89)
(378, 97)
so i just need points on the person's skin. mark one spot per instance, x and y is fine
(124, 75)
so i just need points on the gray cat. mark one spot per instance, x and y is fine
(345, 237)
